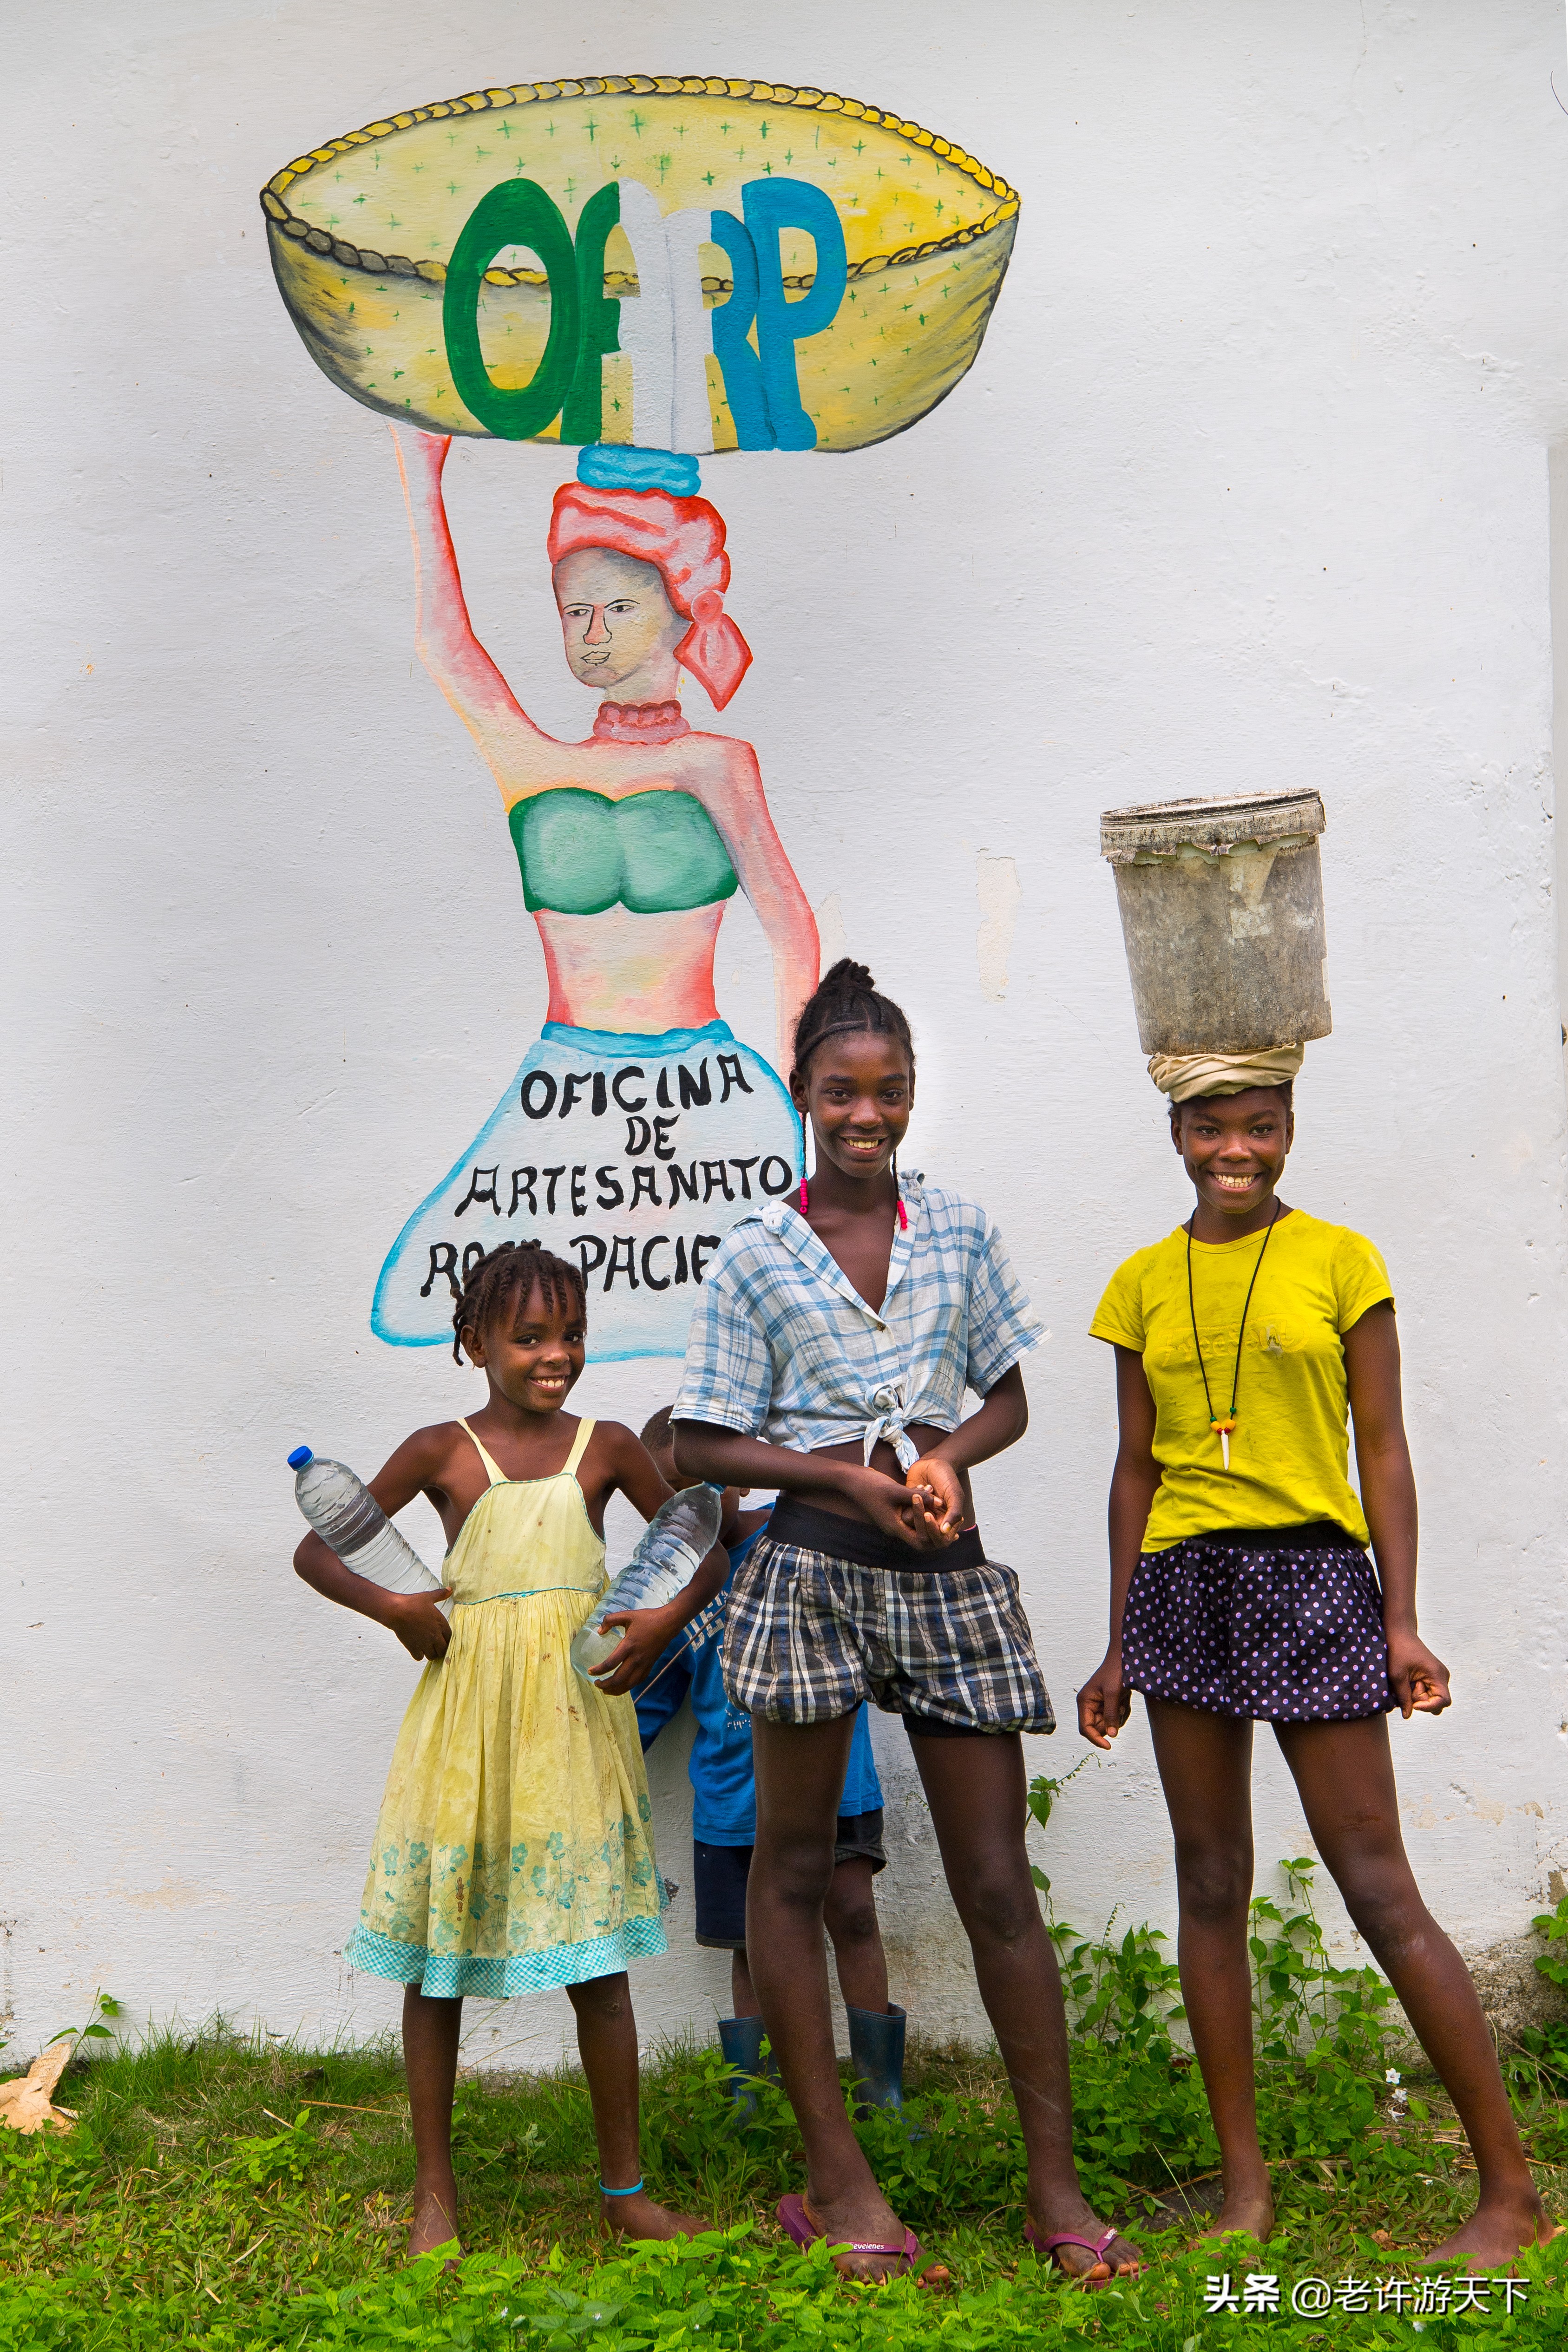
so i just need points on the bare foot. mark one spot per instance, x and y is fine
(1051, 2215)
(644, 2216)
(1247, 2210)
(434, 2223)
(865, 2219)
(1497, 2230)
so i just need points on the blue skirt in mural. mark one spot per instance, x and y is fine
(633, 1155)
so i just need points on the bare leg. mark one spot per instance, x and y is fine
(431, 2028)
(1205, 1770)
(1344, 1773)
(800, 1772)
(743, 2001)
(607, 2041)
(850, 1910)
(975, 1789)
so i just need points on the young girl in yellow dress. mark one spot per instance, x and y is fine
(514, 1849)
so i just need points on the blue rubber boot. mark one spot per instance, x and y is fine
(877, 2057)
(741, 2041)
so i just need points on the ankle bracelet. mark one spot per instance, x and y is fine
(620, 2192)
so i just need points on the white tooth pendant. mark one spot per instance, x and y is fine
(1222, 1429)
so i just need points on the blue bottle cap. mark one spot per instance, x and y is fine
(301, 1456)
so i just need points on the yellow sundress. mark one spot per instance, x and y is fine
(514, 1849)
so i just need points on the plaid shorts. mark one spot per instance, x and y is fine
(809, 1635)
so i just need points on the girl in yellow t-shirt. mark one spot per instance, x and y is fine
(1241, 1592)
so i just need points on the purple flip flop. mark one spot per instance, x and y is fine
(795, 2220)
(1099, 2247)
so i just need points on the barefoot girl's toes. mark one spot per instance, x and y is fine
(643, 2217)
(433, 2224)
(1495, 2233)
(1246, 2210)
(681, 2225)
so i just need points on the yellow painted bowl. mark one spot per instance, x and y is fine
(362, 228)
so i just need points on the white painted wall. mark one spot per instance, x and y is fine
(1248, 487)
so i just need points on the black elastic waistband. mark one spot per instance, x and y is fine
(1313, 1535)
(794, 1522)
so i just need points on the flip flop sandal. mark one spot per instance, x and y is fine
(1091, 2280)
(796, 2222)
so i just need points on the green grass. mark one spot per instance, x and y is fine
(232, 2193)
(226, 2192)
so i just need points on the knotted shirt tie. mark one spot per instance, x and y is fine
(889, 1407)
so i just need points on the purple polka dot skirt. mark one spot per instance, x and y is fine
(1283, 1626)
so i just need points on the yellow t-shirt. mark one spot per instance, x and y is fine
(1290, 1452)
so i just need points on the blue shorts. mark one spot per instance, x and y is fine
(721, 1873)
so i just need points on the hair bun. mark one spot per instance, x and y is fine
(846, 974)
(845, 998)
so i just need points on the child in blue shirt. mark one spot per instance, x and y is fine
(724, 1823)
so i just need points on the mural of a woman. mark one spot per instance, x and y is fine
(639, 1126)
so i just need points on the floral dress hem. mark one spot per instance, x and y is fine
(448, 1976)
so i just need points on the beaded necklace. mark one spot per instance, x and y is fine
(1223, 1428)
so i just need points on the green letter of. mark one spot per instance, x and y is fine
(518, 212)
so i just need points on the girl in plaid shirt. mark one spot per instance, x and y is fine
(830, 1350)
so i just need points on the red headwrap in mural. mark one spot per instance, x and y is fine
(685, 538)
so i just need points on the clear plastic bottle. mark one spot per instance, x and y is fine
(351, 1522)
(675, 1543)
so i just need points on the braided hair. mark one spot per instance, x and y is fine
(516, 1267)
(845, 999)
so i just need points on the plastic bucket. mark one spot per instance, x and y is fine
(1222, 915)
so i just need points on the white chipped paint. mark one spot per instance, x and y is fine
(997, 888)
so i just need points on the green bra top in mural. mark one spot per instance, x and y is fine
(654, 851)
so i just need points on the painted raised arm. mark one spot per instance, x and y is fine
(444, 634)
(739, 808)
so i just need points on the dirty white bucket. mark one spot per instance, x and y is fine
(1222, 915)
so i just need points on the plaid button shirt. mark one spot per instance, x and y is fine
(784, 1347)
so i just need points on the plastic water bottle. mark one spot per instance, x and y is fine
(675, 1543)
(351, 1522)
